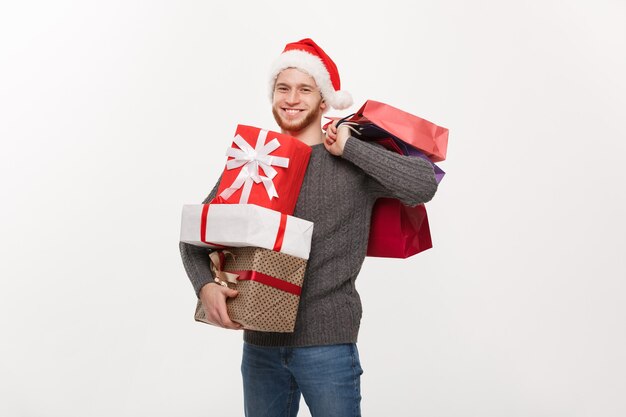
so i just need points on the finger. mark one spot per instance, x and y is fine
(212, 317)
(225, 319)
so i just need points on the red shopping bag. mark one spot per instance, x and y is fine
(376, 120)
(398, 231)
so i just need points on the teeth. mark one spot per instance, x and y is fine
(292, 111)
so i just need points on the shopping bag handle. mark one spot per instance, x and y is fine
(350, 125)
(345, 119)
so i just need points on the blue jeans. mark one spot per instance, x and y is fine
(327, 376)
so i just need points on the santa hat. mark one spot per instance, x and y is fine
(306, 56)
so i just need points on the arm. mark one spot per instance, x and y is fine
(213, 296)
(409, 179)
(196, 258)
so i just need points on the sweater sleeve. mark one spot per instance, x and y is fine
(409, 179)
(196, 258)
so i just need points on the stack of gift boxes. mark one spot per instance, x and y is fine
(262, 249)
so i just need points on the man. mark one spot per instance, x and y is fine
(344, 178)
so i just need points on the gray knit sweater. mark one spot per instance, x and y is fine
(337, 195)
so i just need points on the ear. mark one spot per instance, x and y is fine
(323, 105)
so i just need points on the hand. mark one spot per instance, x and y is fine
(336, 138)
(213, 299)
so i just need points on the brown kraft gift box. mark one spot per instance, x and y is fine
(269, 285)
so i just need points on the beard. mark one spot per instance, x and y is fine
(296, 125)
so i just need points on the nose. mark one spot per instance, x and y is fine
(293, 96)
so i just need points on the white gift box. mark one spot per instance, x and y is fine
(240, 225)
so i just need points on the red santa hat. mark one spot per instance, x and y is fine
(307, 56)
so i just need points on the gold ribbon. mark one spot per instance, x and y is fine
(220, 276)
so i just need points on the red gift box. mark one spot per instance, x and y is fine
(264, 168)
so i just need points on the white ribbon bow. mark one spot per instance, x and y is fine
(252, 159)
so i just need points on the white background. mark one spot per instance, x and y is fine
(114, 114)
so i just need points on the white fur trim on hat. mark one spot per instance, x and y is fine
(313, 66)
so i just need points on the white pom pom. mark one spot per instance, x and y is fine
(341, 100)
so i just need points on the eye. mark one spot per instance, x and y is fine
(282, 89)
(306, 90)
